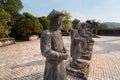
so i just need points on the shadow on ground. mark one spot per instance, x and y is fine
(32, 63)
(35, 76)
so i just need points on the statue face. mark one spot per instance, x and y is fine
(76, 25)
(57, 21)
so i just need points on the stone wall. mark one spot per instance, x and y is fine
(6, 41)
(111, 32)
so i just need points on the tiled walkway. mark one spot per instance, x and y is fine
(23, 61)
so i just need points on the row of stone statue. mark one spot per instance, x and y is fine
(52, 48)
(81, 48)
(81, 39)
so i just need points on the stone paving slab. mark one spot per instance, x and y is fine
(23, 61)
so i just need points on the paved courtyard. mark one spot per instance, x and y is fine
(23, 61)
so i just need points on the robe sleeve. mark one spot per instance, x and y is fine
(74, 38)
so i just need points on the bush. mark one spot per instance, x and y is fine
(103, 26)
(4, 18)
(44, 21)
(66, 25)
(27, 25)
(4, 32)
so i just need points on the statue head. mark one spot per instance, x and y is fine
(94, 24)
(55, 18)
(88, 21)
(83, 25)
(75, 23)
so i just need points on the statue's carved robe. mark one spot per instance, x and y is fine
(75, 50)
(84, 36)
(89, 31)
(52, 47)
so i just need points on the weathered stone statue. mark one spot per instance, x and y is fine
(89, 28)
(86, 54)
(77, 67)
(75, 50)
(95, 28)
(90, 35)
(52, 48)
(83, 35)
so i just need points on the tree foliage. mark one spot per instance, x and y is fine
(103, 26)
(66, 25)
(4, 18)
(4, 32)
(9, 11)
(45, 22)
(12, 7)
(27, 24)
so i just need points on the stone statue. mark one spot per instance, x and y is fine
(89, 28)
(89, 25)
(83, 34)
(95, 27)
(75, 50)
(52, 48)
(86, 54)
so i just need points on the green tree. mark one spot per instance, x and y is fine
(4, 32)
(4, 18)
(45, 22)
(66, 25)
(103, 26)
(27, 24)
(1, 6)
(12, 7)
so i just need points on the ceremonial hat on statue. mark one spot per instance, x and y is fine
(88, 21)
(75, 21)
(54, 13)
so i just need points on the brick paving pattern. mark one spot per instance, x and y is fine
(105, 63)
(23, 61)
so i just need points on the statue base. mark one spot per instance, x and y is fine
(90, 47)
(91, 41)
(96, 36)
(86, 56)
(79, 69)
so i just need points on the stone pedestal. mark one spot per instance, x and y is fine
(88, 52)
(91, 45)
(6, 41)
(80, 69)
(96, 36)
(87, 56)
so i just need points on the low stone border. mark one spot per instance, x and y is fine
(6, 41)
(65, 33)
